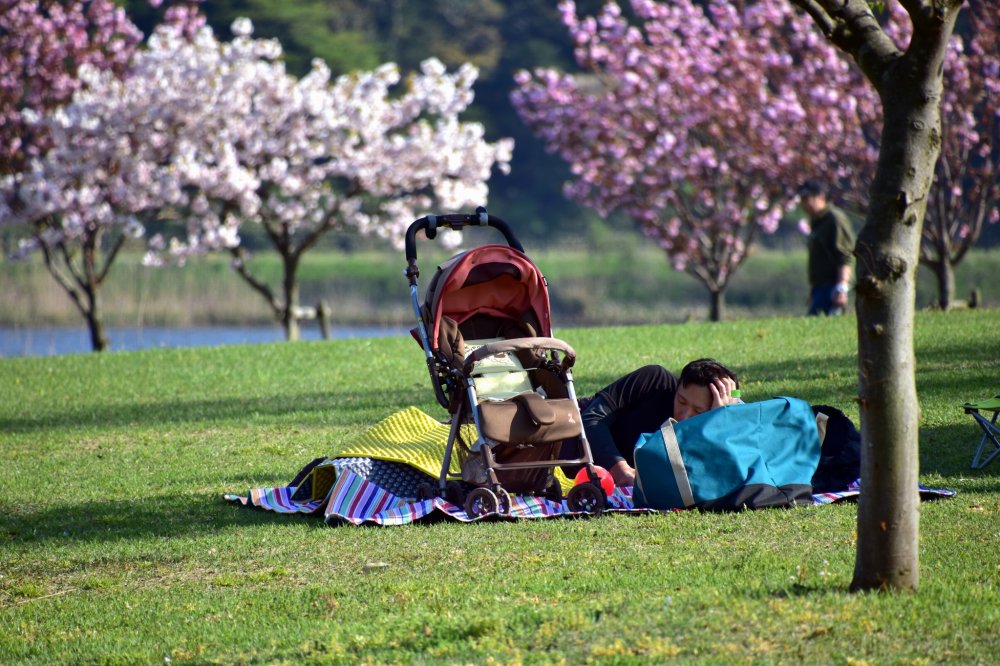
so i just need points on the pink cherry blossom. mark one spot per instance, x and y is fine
(699, 121)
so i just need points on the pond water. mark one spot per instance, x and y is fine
(50, 341)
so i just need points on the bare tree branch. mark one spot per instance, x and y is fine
(239, 263)
(68, 263)
(110, 259)
(851, 25)
(59, 277)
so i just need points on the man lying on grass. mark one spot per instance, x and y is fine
(642, 401)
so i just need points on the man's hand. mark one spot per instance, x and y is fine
(722, 392)
(622, 473)
(840, 295)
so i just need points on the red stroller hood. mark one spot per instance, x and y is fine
(495, 280)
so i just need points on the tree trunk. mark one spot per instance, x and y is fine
(936, 255)
(98, 338)
(81, 284)
(945, 274)
(717, 307)
(887, 256)
(290, 284)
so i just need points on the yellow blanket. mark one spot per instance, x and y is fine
(414, 438)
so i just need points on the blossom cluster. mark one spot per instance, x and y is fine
(218, 134)
(966, 190)
(698, 120)
(42, 42)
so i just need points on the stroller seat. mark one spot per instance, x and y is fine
(514, 409)
(500, 376)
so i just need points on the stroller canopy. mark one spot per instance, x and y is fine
(494, 280)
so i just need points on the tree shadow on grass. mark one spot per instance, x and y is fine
(947, 450)
(943, 369)
(167, 516)
(346, 404)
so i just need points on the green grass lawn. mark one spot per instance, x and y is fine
(117, 547)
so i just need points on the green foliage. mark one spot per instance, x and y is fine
(116, 546)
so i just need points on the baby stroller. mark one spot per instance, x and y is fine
(485, 329)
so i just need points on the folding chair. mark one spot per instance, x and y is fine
(991, 431)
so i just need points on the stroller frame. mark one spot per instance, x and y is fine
(455, 389)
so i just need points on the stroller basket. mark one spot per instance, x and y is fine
(485, 328)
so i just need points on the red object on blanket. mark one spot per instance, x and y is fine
(607, 483)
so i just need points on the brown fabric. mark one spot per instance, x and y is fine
(540, 412)
(451, 342)
(537, 346)
(550, 382)
(482, 327)
(511, 421)
(491, 271)
(531, 480)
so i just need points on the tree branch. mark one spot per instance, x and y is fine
(819, 15)
(261, 288)
(68, 262)
(852, 27)
(63, 281)
(327, 224)
(928, 14)
(109, 259)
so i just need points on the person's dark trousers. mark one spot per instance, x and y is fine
(822, 301)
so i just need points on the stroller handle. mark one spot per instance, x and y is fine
(517, 344)
(431, 223)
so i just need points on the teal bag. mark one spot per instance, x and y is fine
(746, 456)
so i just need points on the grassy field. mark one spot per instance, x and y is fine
(622, 282)
(116, 546)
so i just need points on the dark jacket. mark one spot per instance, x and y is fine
(831, 245)
(638, 403)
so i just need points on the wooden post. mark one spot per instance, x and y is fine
(323, 314)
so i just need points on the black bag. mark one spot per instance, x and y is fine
(840, 455)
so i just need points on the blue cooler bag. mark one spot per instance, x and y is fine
(747, 456)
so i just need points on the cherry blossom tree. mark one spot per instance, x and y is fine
(697, 121)
(910, 84)
(301, 157)
(44, 45)
(218, 135)
(966, 189)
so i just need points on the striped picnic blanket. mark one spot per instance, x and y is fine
(373, 481)
(354, 500)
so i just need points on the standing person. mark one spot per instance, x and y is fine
(642, 401)
(831, 245)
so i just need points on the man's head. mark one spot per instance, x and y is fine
(693, 395)
(812, 197)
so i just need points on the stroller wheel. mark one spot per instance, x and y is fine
(426, 491)
(482, 501)
(503, 500)
(586, 497)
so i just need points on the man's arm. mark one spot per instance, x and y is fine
(844, 243)
(843, 285)
(597, 420)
